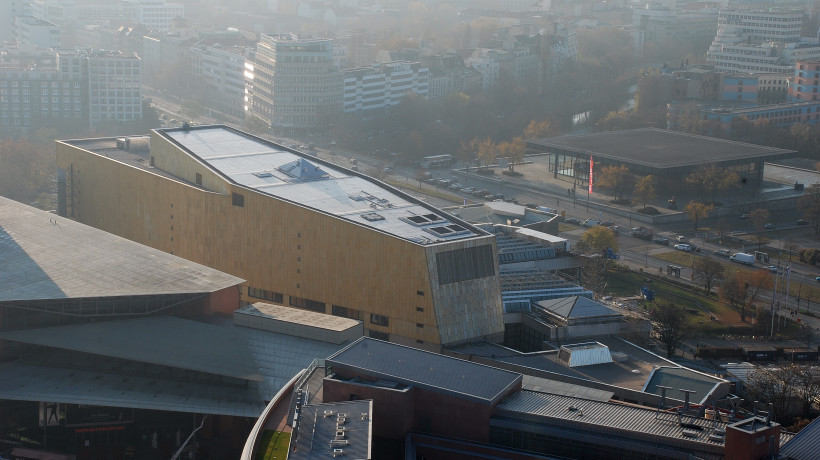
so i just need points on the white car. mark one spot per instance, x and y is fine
(680, 239)
(683, 247)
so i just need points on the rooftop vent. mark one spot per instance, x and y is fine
(585, 354)
(372, 217)
(263, 174)
(424, 219)
(303, 170)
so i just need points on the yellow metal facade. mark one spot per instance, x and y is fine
(279, 246)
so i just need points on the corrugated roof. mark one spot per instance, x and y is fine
(555, 387)
(805, 445)
(286, 174)
(390, 361)
(609, 417)
(43, 256)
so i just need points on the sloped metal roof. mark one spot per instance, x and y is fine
(805, 445)
(161, 340)
(44, 256)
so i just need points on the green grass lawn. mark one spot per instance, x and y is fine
(274, 445)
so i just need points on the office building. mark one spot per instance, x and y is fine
(383, 86)
(301, 231)
(806, 81)
(28, 29)
(40, 86)
(220, 72)
(291, 83)
(760, 41)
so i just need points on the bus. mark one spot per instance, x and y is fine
(437, 161)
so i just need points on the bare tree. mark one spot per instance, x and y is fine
(759, 218)
(617, 179)
(696, 211)
(773, 385)
(809, 204)
(593, 273)
(645, 189)
(708, 271)
(783, 385)
(712, 179)
(723, 228)
(670, 326)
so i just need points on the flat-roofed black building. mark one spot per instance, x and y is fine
(669, 156)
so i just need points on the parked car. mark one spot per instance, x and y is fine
(683, 247)
(482, 192)
(680, 239)
(456, 186)
(571, 220)
(769, 226)
(660, 240)
(771, 268)
(531, 205)
(723, 253)
(744, 216)
(468, 190)
(387, 170)
(802, 222)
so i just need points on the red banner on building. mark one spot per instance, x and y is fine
(590, 174)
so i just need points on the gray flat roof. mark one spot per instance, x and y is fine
(298, 316)
(44, 256)
(290, 175)
(161, 340)
(407, 365)
(682, 379)
(631, 373)
(658, 148)
(318, 426)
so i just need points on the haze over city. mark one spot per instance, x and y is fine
(426, 229)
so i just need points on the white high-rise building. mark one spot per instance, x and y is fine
(760, 41)
(291, 82)
(114, 86)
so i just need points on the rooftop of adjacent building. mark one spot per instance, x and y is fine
(57, 258)
(630, 367)
(411, 366)
(159, 363)
(293, 176)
